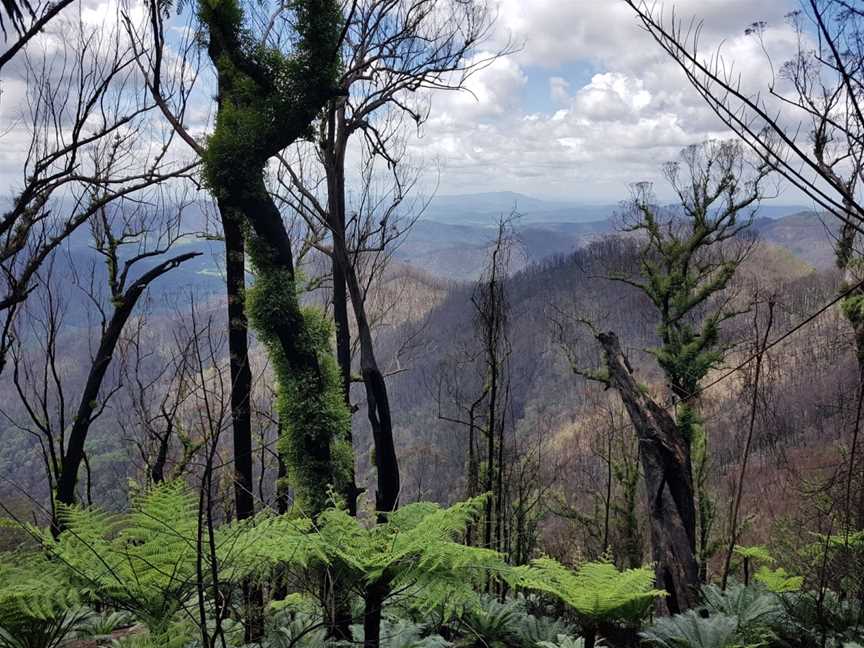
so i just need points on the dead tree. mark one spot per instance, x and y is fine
(170, 88)
(27, 20)
(125, 289)
(813, 136)
(689, 256)
(392, 53)
(665, 457)
(86, 121)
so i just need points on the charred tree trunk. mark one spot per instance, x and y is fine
(241, 398)
(334, 164)
(666, 464)
(157, 471)
(377, 399)
(74, 453)
(241, 374)
(375, 595)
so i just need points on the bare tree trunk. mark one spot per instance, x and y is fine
(241, 374)
(74, 453)
(334, 164)
(241, 399)
(669, 483)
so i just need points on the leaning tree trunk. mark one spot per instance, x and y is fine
(74, 453)
(665, 457)
(270, 249)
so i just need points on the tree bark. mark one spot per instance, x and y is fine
(273, 250)
(377, 400)
(241, 399)
(334, 166)
(241, 374)
(376, 593)
(74, 454)
(666, 464)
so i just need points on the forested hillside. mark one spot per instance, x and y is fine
(322, 325)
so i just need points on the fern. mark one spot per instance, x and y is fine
(417, 551)
(813, 620)
(97, 625)
(38, 606)
(534, 631)
(778, 581)
(597, 592)
(755, 610)
(143, 562)
(689, 630)
(756, 553)
(491, 624)
(563, 641)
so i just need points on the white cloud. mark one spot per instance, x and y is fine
(591, 139)
(635, 112)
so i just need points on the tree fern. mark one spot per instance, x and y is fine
(597, 592)
(778, 581)
(143, 561)
(417, 551)
(38, 606)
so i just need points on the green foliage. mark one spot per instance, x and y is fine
(812, 619)
(537, 631)
(508, 624)
(143, 561)
(754, 610)
(268, 100)
(300, 631)
(310, 402)
(756, 553)
(597, 592)
(491, 624)
(417, 551)
(97, 625)
(853, 309)
(38, 605)
(778, 581)
(690, 630)
(402, 633)
(563, 641)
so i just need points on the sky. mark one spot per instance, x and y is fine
(590, 104)
(587, 105)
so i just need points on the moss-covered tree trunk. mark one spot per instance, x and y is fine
(266, 101)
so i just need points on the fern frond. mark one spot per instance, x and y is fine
(596, 591)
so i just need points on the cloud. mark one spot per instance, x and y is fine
(595, 137)
(559, 89)
(534, 121)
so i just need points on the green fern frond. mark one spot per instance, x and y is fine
(596, 591)
(757, 553)
(778, 581)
